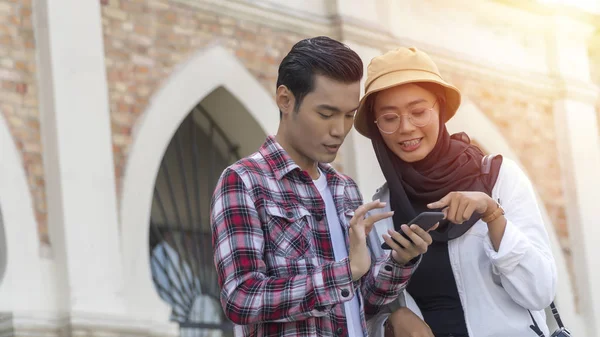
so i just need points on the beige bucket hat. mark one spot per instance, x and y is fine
(402, 66)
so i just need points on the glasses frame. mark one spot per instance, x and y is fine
(408, 117)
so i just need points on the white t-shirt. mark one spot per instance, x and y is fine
(340, 251)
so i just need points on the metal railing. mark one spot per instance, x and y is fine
(180, 238)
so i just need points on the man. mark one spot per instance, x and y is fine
(289, 232)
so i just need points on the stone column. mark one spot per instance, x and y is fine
(78, 160)
(80, 177)
(579, 149)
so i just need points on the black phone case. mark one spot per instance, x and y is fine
(429, 219)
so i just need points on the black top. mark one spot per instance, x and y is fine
(434, 289)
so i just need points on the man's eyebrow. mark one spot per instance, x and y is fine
(332, 108)
(328, 107)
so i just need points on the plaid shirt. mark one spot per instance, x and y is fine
(273, 252)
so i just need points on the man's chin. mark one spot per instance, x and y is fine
(327, 158)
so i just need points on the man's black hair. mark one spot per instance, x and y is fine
(317, 56)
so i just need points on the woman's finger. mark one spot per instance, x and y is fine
(452, 208)
(442, 202)
(468, 212)
(460, 209)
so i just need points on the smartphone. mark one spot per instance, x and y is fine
(425, 220)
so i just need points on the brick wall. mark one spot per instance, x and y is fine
(18, 97)
(145, 40)
(527, 123)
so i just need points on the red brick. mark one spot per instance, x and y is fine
(6, 40)
(8, 85)
(141, 69)
(21, 88)
(19, 65)
(25, 12)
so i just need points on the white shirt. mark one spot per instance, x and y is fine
(495, 288)
(340, 251)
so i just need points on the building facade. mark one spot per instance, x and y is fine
(117, 116)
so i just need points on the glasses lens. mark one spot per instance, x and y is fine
(420, 118)
(388, 123)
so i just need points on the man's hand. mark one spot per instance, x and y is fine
(360, 226)
(407, 324)
(407, 250)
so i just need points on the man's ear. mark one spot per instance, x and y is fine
(285, 99)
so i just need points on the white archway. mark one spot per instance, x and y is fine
(187, 86)
(474, 122)
(21, 288)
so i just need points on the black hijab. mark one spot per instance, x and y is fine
(454, 164)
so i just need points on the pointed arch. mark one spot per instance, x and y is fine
(20, 285)
(188, 85)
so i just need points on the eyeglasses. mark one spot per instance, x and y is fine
(390, 122)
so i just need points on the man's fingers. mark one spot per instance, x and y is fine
(371, 220)
(377, 216)
(405, 244)
(433, 228)
(393, 245)
(361, 211)
(368, 226)
(418, 237)
(403, 249)
(422, 234)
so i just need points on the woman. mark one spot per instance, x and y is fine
(490, 265)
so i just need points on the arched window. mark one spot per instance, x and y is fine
(180, 236)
